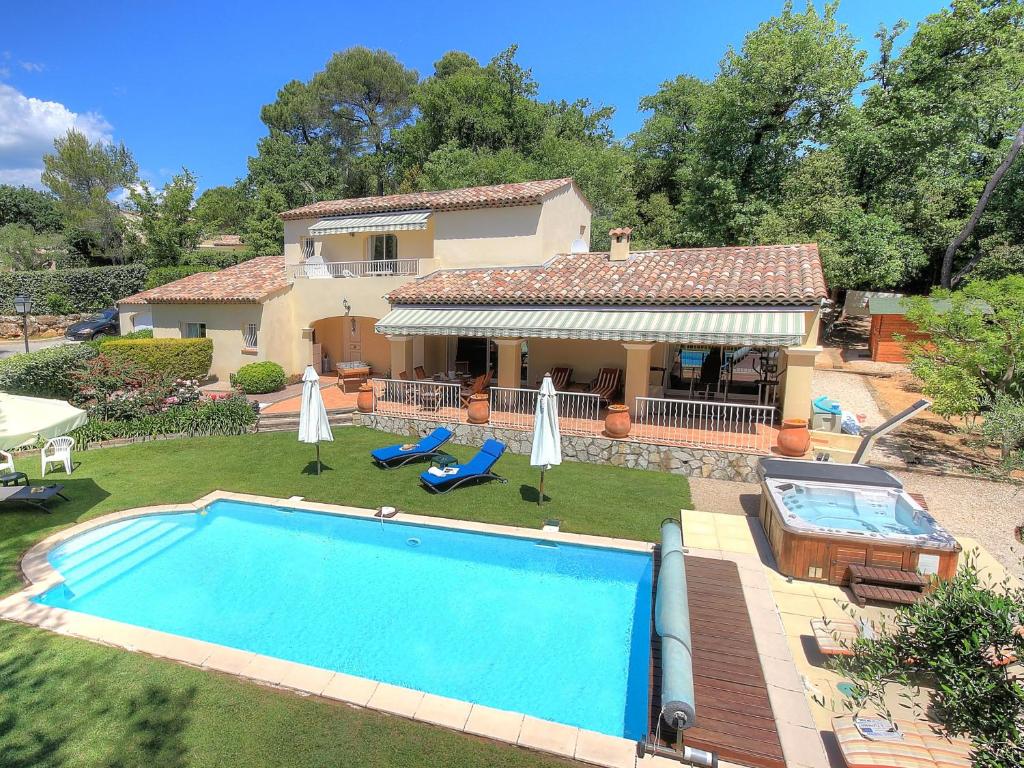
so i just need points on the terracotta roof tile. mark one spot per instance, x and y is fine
(497, 196)
(247, 283)
(754, 275)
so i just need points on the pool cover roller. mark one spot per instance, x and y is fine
(672, 623)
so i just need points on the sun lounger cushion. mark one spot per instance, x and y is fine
(428, 444)
(479, 465)
(921, 747)
(835, 637)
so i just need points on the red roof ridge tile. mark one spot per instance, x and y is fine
(250, 282)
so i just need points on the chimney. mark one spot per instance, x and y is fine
(620, 243)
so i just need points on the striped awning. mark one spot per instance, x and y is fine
(380, 222)
(765, 328)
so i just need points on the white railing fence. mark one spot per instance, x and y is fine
(704, 424)
(579, 413)
(430, 400)
(364, 268)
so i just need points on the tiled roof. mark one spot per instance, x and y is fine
(497, 196)
(223, 240)
(754, 275)
(247, 283)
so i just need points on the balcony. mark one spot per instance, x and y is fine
(353, 269)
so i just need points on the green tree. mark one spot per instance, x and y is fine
(366, 96)
(975, 349)
(23, 249)
(222, 210)
(299, 173)
(22, 205)
(166, 225)
(83, 176)
(264, 229)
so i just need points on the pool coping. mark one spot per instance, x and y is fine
(476, 719)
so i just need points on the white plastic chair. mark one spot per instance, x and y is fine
(57, 449)
(6, 462)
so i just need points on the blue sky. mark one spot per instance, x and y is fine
(182, 83)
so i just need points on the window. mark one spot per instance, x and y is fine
(250, 336)
(384, 247)
(308, 248)
(195, 330)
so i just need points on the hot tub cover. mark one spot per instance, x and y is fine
(827, 472)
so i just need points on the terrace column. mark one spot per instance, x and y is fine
(401, 355)
(510, 362)
(796, 395)
(638, 373)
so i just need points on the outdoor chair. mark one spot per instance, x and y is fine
(478, 385)
(398, 455)
(915, 744)
(462, 366)
(561, 378)
(6, 462)
(607, 384)
(31, 495)
(420, 372)
(439, 480)
(57, 450)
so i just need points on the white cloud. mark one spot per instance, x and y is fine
(32, 66)
(28, 127)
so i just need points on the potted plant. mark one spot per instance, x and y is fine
(364, 400)
(617, 423)
(794, 438)
(479, 411)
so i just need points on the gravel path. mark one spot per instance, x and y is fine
(852, 392)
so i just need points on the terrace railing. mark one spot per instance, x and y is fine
(579, 413)
(364, 268)
(705, 424)
(431, 400)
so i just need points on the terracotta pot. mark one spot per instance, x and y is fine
(794, 439)
(479, 410)
(364, 400)
(617, 423)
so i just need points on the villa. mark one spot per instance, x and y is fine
(501, 280)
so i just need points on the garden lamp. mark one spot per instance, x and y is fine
(23, 306)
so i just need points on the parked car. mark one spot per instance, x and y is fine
(103, 324)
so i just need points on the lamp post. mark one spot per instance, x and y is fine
(23, 306)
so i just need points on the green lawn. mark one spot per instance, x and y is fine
(66, 702)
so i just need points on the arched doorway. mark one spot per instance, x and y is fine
(347, 339)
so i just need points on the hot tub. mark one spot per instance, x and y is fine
(821, 518)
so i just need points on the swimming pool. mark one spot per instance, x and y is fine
(557, 631)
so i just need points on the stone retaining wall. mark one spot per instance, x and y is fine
(13, 326)
(691, 462)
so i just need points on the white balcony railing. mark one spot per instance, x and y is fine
(364, 268)
(704, 424)
(579, 413)
(431, 400)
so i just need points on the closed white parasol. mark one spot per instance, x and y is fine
(547, 440)
(314, 426)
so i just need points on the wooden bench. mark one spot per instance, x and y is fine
(889, 585)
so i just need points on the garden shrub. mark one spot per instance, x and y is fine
(260, 378)
(174, 358)
(57, 304)
(48, 372)
(958, 641)
(163, 275)
(84, 290)
(228, 416)
(213, 257)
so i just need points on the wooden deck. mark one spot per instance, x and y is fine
(734, 715)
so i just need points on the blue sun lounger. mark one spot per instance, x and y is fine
(477, 468)
(394, 456)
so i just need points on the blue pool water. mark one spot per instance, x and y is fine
(879, 511)
(558, 632)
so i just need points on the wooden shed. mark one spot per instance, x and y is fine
(888, 319)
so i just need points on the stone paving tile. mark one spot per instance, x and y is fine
(306, 679)
(494, 723)
(230, 660)
(604, 750)
(546, 736)
(802, 746)
(440, 710)
(395, 700)
(354, 690)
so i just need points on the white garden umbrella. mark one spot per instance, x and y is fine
(314, 425)
(547, 440)
(28, 419)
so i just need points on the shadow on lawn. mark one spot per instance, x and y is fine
(310, 468)
(531, 494)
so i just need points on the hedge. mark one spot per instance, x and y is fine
(64, 291)
(260, 378)
(230, 416)
(46, 372)
(213, 257)
(181, 358)
(163, 275)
